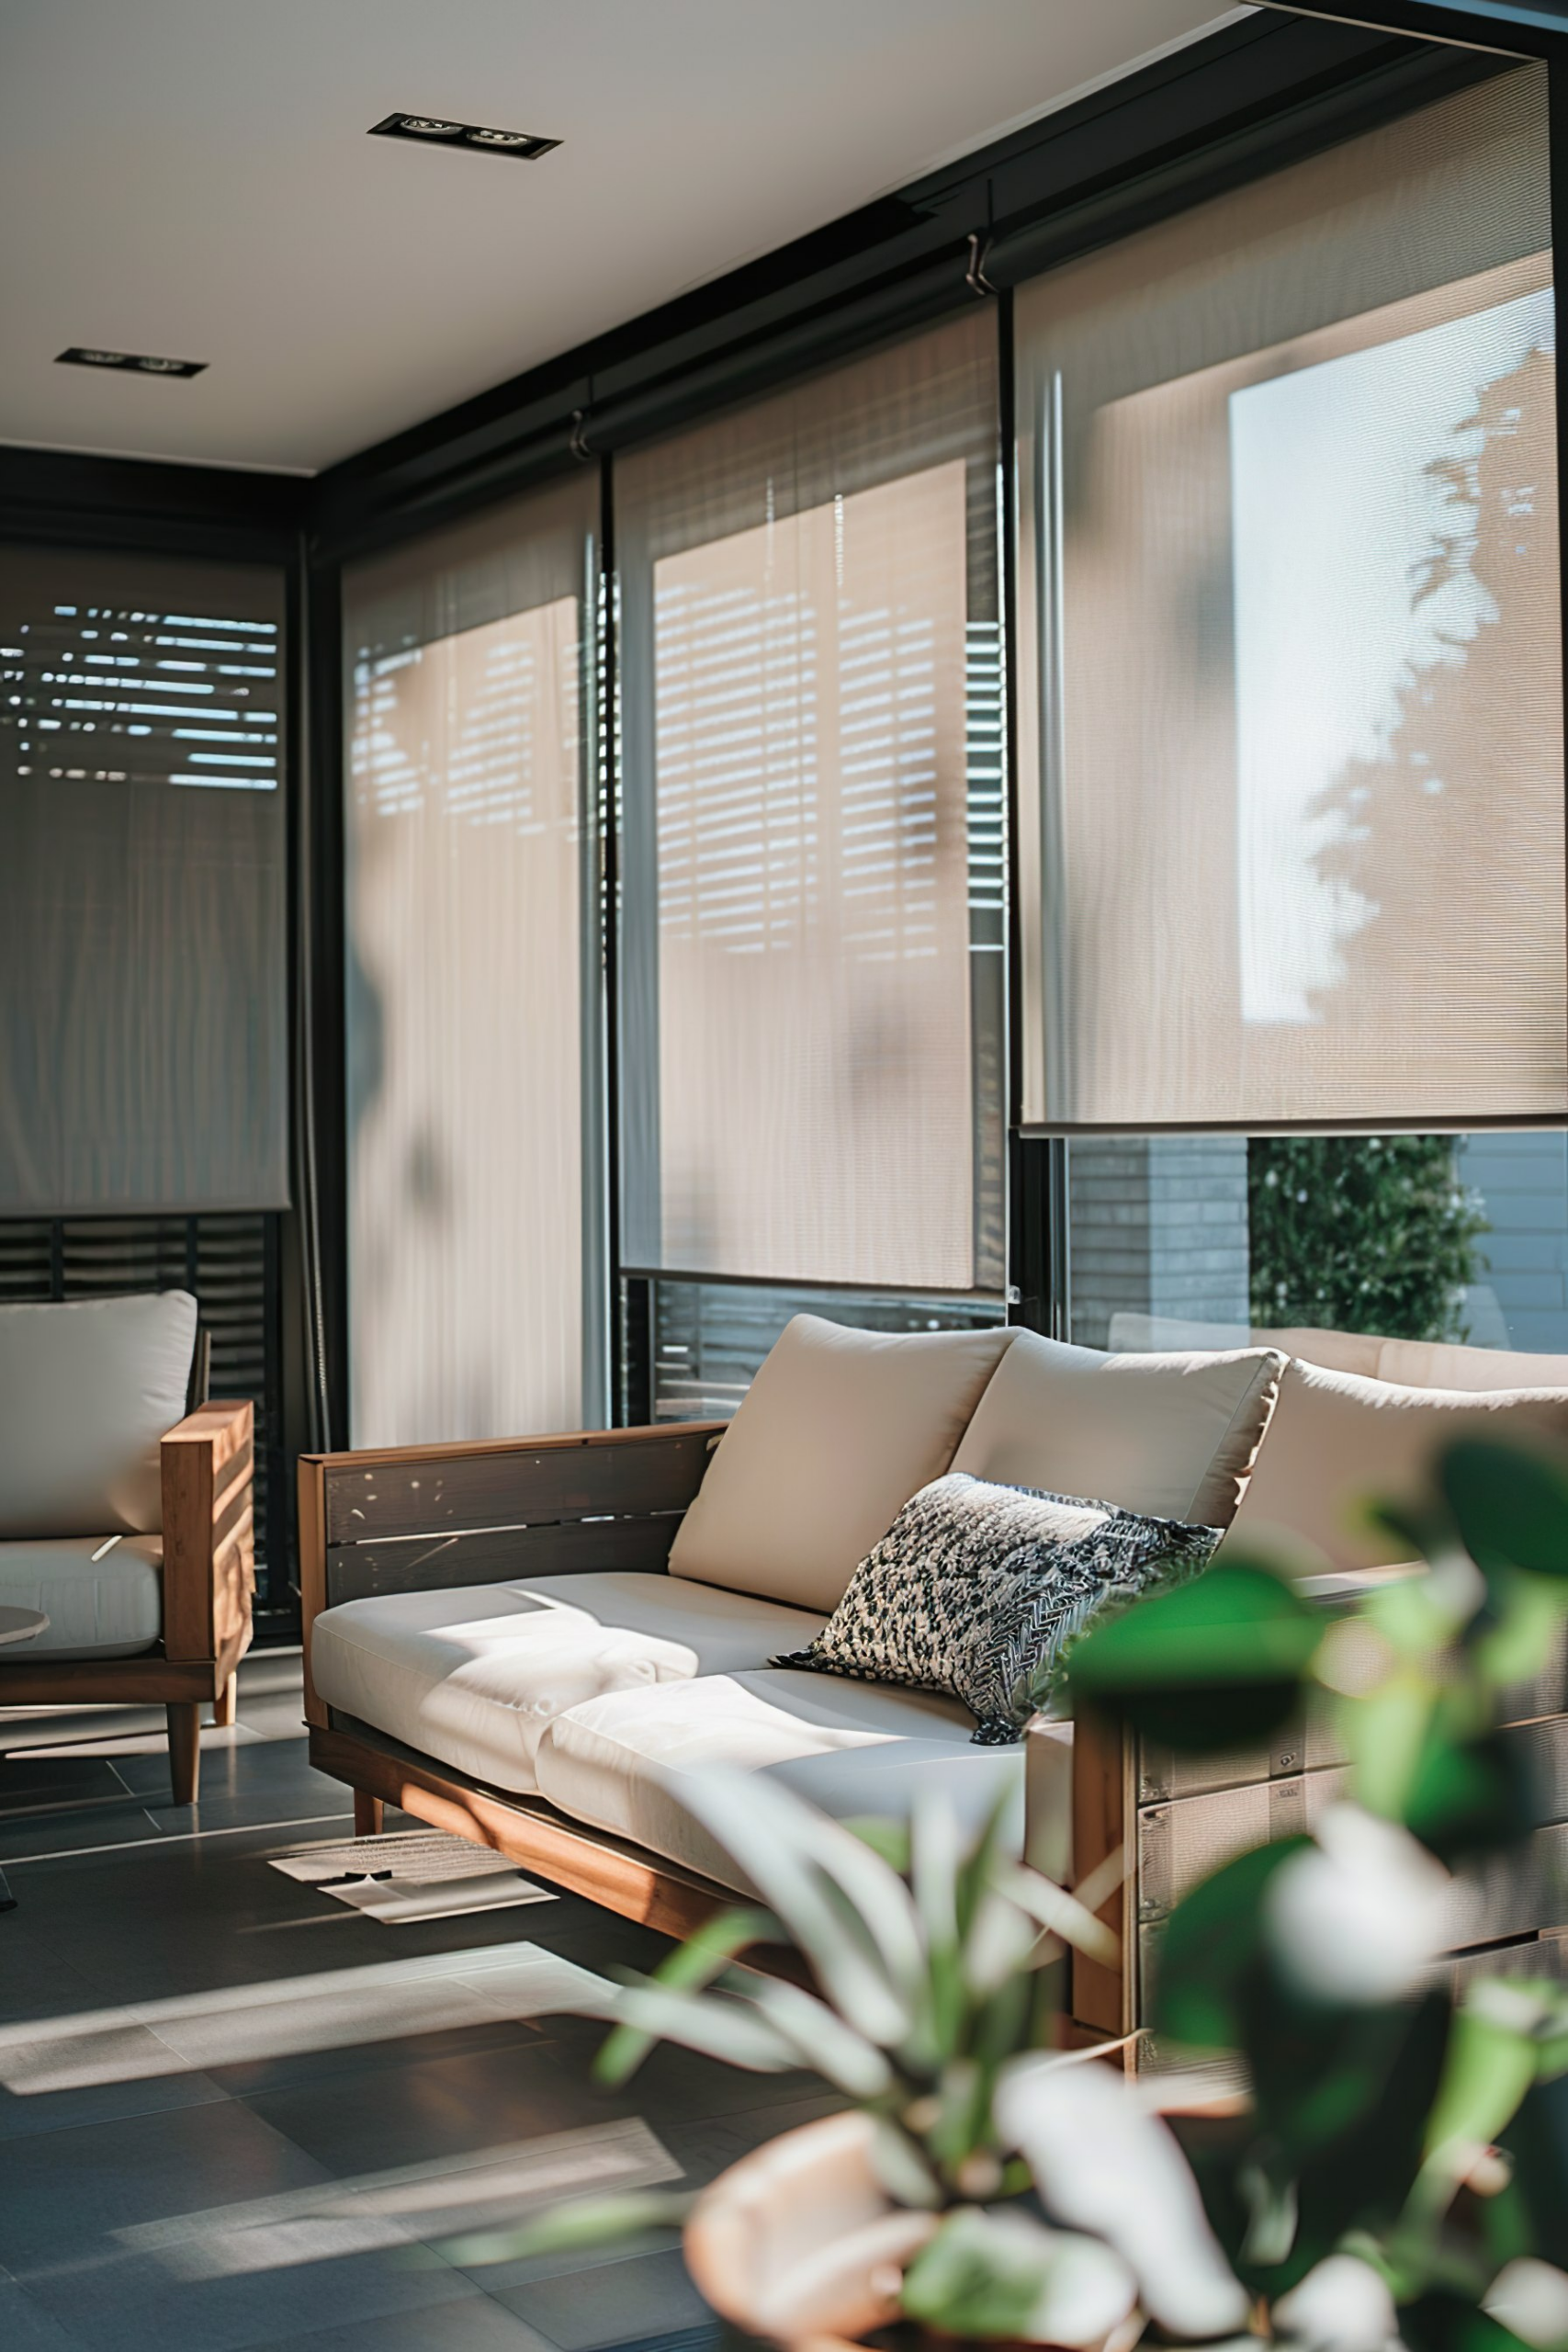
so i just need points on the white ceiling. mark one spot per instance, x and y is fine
(192, 178)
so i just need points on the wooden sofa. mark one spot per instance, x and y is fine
(403, 1520)
(143, 1510)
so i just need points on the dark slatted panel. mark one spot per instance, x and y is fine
(495, 1555)
(116, 695)
(230, 1265)
(710, 1337)
(465, 1491)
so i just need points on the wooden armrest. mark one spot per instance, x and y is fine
(206, 1463)
(413, 1518)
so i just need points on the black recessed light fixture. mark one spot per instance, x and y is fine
(138, 363)
(435, 130)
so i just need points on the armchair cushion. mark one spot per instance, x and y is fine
(90, 1387)
(475, 1675)
(837, 1431)
(110, 1606)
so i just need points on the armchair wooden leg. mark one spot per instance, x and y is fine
(225, 1707)
(184, 1749)
(366, 1815)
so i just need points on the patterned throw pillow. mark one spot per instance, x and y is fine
(975, 1589)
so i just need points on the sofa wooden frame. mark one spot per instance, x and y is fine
(414, 1518)
(207, 1467)
(399, 1518)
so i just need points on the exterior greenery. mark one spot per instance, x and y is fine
(1371, 1233)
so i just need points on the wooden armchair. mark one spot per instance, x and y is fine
(200, 1621)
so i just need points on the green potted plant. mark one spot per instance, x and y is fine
(1397, 2171)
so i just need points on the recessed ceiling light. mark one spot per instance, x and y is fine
(435, 130)
(138, 363)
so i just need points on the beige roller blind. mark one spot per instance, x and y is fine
(475, 1272)
(1292, 809)
(810, 712)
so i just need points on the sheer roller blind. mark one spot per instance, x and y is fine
(474, 1267)
(1292, 846)
(811, 888)
(143, 1035)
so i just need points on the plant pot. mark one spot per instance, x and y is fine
(798, 2243)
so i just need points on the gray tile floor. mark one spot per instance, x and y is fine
(234, 2113)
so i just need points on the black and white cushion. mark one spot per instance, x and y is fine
(975, 1589)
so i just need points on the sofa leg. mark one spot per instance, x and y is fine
(184, 1749)
(368, 1813)
(226, 1706)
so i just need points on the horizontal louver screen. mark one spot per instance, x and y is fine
(710, 1337)
(113, 694)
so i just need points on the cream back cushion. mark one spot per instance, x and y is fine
(87, 1391)
(1336, 1441)
(1171, 1436)
(837, 1431)
(1357, 1352)
(1431, 1363)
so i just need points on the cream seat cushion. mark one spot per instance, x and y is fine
(88, 1388)
(1357, 1352)
(1336, 1440)
(474, 1675)
(620, 1763)
(111, 1607)
(1169, 1435)
(839, 1429)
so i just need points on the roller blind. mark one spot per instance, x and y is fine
(811, 986)
(474, 1264)
(143, 1035)
(1292, 765)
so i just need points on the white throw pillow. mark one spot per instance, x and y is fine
(1335, 1442)
(1172, 1436)
(837, 1431)
(87, 1391)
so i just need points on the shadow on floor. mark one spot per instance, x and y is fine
(235, 2113)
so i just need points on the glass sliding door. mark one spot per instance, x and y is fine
(1292, 835)
(811, 875)
(476, 1203)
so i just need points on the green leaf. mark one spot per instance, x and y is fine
(1489, 2068)
(1466, 1796)
(696, 1963)
(1004, 2274)
(1205, 1664)
(1213, 1941)
(1510, 1505)
(1441, 2320)
(584, 2222)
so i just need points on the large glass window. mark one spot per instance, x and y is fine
(811, 879)
(1292, 844)
(1181, 1241)
(476, 1263)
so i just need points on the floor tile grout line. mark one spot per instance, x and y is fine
(170, 1837)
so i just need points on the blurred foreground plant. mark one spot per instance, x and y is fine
(1399, 2172)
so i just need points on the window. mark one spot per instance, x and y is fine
(1181, 1241)
(143, 875)
(476, 1257)
(1294, 845)
(811, 878)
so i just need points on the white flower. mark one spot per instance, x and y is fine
(1530, 2297)
(1105, 2166)
(1342, 2306)
(1359, 1915)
